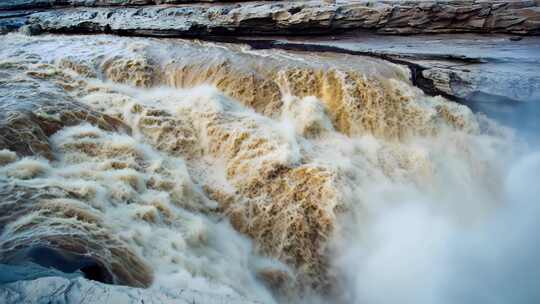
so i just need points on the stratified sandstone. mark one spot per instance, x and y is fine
(286, 17)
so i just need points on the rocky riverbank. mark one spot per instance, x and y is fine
(283, 17)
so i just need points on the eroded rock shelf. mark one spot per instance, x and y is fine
(283, 17)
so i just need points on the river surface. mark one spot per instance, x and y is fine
(264, 176)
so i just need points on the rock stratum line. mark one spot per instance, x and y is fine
(283, 17)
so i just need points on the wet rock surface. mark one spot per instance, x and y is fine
(62, 289)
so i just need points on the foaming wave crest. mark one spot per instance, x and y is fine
(128, 208)
(280, 177)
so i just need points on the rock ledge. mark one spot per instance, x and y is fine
(143, 17)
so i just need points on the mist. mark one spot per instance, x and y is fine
(446, 244)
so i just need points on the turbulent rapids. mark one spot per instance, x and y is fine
(265, 176)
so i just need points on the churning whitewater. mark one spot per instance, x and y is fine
(261, 177)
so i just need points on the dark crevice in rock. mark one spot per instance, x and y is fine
(67, 262)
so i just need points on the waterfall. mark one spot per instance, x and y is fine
(277, 176)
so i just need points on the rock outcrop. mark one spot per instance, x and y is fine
(285, 17)
(59, 289)
(25, 4)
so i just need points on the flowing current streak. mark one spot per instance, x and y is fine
(413, 206)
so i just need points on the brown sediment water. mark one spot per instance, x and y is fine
(181, 164)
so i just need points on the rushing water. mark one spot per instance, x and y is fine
(269, 175)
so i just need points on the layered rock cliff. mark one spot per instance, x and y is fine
(287, 17)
